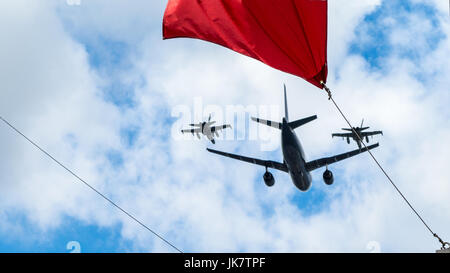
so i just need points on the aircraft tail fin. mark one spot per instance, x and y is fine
(286, 115)
(275, 124)
(300, 122)
(279, 125)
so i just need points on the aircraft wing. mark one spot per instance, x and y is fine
(315, 164)
(196, 130)
(218, 128)
(342, 135)
(265, 163)
(363, 134)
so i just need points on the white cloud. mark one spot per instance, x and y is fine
(49, 92)
(198, 201)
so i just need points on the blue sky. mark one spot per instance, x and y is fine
(378, 47)
(114, 125)
(91, 238)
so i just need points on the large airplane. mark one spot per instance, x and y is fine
(206, 129)
(357, 130)
(294, 161)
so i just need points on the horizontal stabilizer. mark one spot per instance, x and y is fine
(273, 124)
(300, 122)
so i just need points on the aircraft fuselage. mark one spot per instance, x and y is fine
(356, 136)
(294, 157)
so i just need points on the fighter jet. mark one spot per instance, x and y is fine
(359, 131)
(294, 161)
(206, 129)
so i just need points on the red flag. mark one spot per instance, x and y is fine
(289, 35)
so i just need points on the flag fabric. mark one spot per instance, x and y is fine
(289, 35)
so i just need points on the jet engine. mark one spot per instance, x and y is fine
(268, 179)
(328, 177)
(367, 139)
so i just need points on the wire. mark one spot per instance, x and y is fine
(88, 185)
(381, 168)
(444, 244)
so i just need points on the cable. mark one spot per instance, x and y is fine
(444, 244)
(88, 185)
